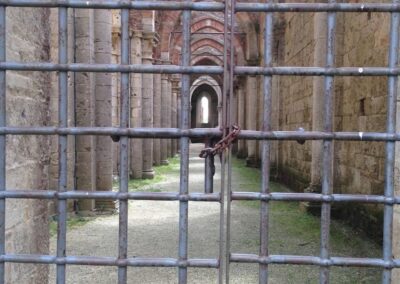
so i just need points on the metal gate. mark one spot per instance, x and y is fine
(324, 260)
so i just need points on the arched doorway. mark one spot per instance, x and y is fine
(204, 107)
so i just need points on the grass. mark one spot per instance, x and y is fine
(160, 172)
(72, 222)
(295, 231)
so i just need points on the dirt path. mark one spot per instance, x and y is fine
(153, 232)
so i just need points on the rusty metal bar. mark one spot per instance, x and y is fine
(228, 64)
(314, 260)
(327, 155)
(109, 261)
(124, 150)
(265, 156)
(3, 123)
(318, 7)
(201, 133)
(390, 146)
(117, 4)
(62, 141)
(184, 147)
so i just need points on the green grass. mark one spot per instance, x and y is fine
(160, 173)
(72, 222)
(294, 231)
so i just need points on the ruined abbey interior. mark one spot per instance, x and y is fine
(155, 38)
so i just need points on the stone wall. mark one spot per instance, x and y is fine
(28, 96)
(360, 105)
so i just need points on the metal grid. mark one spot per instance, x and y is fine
(229, 8)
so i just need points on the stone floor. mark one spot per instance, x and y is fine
(153, 232)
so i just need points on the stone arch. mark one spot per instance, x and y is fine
(213, 85)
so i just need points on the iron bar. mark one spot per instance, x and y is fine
(390, 145)
(207, 6)
(316, 197)
(3, 123)
(265, 155)
(72, 194)
(117, 4)
(327, 155)
(201, 133)
(314, 260)
(184, 147)
(217, 70)
(109, 261)
(124, 150)
(317, 7)
(62, 141)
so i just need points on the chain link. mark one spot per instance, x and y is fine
(222, 144)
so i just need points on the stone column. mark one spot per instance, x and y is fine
(157, 117)
(85, 156)
(174, 120)
(165, 119)
(116, 45)
(147, 103)
(103, 117)
(136, 157)
(242, 149)
(169, 111)
(178, 116)
(251, 119)
(318, 101)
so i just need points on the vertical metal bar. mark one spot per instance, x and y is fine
(327, 146)
(2, 137)
(124, 150)
(390, 146)
(229, 16)
(184, 166)
(62, 140)
(265, 158)
(209, 170)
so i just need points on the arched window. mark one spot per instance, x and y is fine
(204, 110)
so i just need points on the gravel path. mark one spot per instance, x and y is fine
(153, 232)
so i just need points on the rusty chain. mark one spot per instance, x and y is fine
(222, 144)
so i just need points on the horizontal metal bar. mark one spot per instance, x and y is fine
(317, 7)
(117, 4)
(78, 194)
(316, 197)
(110, 68)
(109, 261)
(176, 69)
(316, 71)
(314, 260)
(114, 131)
(201, 133)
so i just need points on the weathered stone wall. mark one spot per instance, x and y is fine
(28, 93)
(295, 100)
(360, 105)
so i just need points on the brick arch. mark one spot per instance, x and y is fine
(170, 43)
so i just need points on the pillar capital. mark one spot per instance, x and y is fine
(135, 34)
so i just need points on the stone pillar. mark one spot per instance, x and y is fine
(251, 119)
(103, 117)
(157, 117)
(169, 111)
(147, 103)
(165, 119)
(116, 53)
(85, 146)
(136, 157)
(174, 120)
(320, 27)
(242, 149)
(178, 116)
